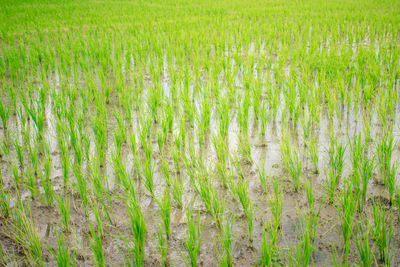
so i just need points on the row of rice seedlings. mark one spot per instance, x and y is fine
(192, 242)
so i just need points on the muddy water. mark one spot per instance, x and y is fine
(264, 150)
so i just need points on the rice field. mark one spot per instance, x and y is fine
(200, 133)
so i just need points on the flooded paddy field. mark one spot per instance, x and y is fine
(200, 133)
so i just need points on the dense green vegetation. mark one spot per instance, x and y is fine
(207, 133)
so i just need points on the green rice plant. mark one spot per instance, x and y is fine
(62, 253)
(223, 115)
(16, 176)
(176, 156)
(268, 248)
(366, 172)
(262, 175)
(192, 242)
(307, 232)
(177, 191)
(391, 182)
(161, 138)
(221, 150)
(47, 183)
(4, 114)
(96, 246)
(346, 209)
(5, 207)
(81, 186)
(382, 234)
(134, 150)
(162, 246)
(243, 112)
(310, 193)
(292, 162)
(165, 209)
(213, 202)
(365, 251)
(276, 203)
(4, 146)
(306, 125)
(245, 147)
(64, 158)
(314, 153)
(227, 243)
(64, 207)
(335, 167)
(20, 153)
(26, 235)
(99, 126)
(138, 230)
(165, 170)
(37, 113)
(240, 191)
(384, 150)
(357, 148)
(264, 116)
(148, 175)
(101, 190)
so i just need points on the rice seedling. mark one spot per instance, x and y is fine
(365, 251)
(276, 203)
(165, 209)
(335, 166)
(5, 207)
(382, 234)
(306, 244)
(366, 171)
(20, 152)
(384, 150)
(314, 154)
(269, 248)
(192, 242)
(148, 175)
(262, 175)
(221, 150)
(81, 186)
(101, 190)
(227, 243)
(26, 235)
(4, 114)
(177, 191)
(245, 147)
(16, 176)
(62, 253)
(346, 209)
(64, 207)
(391, 182)
(47, 183)
(240, 191)
(96, 245)
(138, 230)
(292, 162)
